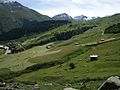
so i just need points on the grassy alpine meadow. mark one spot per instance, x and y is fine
(20, 61)
(61, 52)
(66, 62)
(92, 73)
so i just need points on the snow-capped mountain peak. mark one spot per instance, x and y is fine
(62, 16)
(84, 18)
(81, 18)
(65, 16)
(5, 1)
(10, 3)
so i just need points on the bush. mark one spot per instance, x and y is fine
(72, 66)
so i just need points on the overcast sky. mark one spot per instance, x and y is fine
(74, 7)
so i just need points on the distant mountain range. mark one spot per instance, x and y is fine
(62, 16)
(65, 16)
(18, 21)
(13, 14)
(16, 18)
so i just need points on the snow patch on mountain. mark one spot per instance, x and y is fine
(6, 1)
(62, 16)
(80, 18)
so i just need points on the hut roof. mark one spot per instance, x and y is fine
(93, 55)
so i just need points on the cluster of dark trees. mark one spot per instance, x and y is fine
(113, 29)
(68, 34)
(31, 28)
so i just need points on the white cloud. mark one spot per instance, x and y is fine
(78, 1)
(51, 1)
(76, 7)
(84, 1)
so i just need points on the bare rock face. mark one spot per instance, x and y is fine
(111, 83)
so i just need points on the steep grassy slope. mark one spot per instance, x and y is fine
(12, 16)
(70, 30)
(52, 65)
(93, 73)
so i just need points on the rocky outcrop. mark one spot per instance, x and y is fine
(111, 83)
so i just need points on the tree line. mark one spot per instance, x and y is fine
(113, 29)
(30, 28)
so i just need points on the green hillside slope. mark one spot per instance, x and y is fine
(16, 18)
(68, 31)
(65, 62)
(12, 15)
